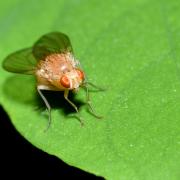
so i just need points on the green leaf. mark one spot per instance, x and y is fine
(130, 47)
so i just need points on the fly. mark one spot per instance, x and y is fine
(52, 62)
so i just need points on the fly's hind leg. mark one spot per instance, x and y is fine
(47, 106)
(66, 93)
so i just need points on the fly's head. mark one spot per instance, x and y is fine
(72, 79)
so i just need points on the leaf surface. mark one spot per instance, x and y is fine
(129, 47)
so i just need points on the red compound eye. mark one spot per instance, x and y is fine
(65, 81)
(80, 74)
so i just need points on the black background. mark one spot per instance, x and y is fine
(20, 159)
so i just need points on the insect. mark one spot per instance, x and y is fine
(52, 61)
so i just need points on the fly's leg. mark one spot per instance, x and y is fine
(66, 93)
(47, 106)
(93, 85)
(89, 103)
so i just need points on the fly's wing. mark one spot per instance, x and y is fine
(21, 61)
(54, 42)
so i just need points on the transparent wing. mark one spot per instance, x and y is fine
(21, 61)
(54, 42)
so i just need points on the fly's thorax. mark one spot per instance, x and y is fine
(60, 71)
(59, 63)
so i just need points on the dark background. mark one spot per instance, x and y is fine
(20, 159)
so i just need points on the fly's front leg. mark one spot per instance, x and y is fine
(66, 93)
(47, 106)
(93, 85)
(89, 103)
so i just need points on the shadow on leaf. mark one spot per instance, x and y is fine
(22, 89)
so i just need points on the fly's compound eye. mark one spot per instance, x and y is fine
(80, 74)
(65, 81)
